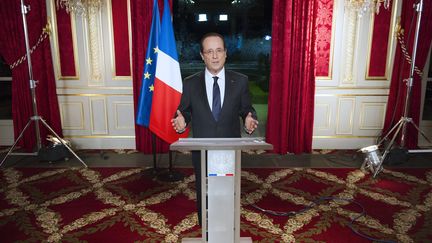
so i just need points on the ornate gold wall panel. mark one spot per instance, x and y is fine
(391, 45)
(89, 116)
(95, 48)
(55, 43)
(112, 47)
(350, 48)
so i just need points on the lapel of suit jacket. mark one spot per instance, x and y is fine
(203, 93)
(229, 85)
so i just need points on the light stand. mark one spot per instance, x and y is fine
(401, 125)
(35, 118)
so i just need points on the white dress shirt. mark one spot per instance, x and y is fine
(209, 85)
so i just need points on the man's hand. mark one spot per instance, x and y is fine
(250, 124)
(179, 123)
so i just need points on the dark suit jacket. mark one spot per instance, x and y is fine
(196, 109)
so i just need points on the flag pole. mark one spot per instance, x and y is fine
(170, 175)
(153, 171)
(154, 150)
(167, 90)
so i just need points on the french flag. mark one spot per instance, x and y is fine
(167, 83)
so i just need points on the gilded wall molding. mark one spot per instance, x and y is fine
(95, 48)
(349, 51)
(56, 46)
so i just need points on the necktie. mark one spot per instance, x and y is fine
(216, 107)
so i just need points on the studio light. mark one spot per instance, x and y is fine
(391, 153)
(202, 17)
(373, 159)
(190, 2)
(223, 17)
(41, 152)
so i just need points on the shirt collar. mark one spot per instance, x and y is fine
(220, 74)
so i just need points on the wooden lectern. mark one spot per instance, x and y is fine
(221, 184)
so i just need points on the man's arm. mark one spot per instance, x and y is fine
(179, 123)
(182, 116)
(250, 124)
(247, 111)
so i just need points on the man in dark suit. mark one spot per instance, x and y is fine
(213, 100)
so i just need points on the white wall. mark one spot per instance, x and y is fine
(350, 109)
(96, 107)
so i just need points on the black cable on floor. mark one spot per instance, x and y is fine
(317, 202)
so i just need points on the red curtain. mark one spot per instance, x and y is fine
(12, 47)
(292, 80)
(141, 14)
(401, 70)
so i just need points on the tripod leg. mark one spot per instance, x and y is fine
(420, 131)
(364, 166)
(61, 140)
(16, 141)
(389, 146)
(389, 132)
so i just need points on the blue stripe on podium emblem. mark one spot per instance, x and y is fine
(215, 174)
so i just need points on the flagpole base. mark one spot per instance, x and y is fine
(152, 172)
(171, 176)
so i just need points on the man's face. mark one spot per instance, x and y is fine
(214, 54)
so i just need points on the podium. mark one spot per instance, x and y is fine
(220, 184)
